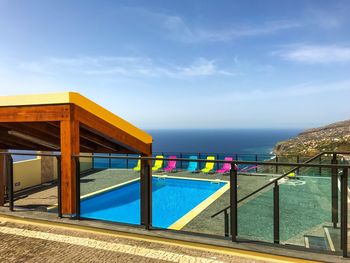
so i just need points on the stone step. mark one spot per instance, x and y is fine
(333, 237)
(316, 242)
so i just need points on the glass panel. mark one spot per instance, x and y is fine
(185, 198)
(111, 194)
(255, 215)
(305, 210)
(101, 163)
(35, 182)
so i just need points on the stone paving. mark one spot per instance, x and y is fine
(22, 242)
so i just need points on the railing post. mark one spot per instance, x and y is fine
(227, 226)
(127, 161)
(276, 214)
(334, 185)
(77, 192)
(217, 164)
(181, 161)
(256, 159)
(109, 161)
(344, 213)
(298, 160)
(199, 163)
(320, 168)
(276, 167)
(146, 194)
(59, 190)
(93, 162)
(10, 182)
(233, 202)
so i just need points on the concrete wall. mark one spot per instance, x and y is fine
(26, 173)
(37, 171)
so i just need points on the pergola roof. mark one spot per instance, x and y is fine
(33, 122)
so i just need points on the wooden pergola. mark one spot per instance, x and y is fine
(70, 124)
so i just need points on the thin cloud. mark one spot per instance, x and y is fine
(314, 54)
(183, 32)
(177, 28)
(277, 94)
(124, 67)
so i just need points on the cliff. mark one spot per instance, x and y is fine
(333, 137)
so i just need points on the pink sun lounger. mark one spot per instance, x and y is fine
(226, 167)
(171, 164)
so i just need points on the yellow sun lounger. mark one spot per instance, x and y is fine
(158, 163)
(209, 166)
(138, 166)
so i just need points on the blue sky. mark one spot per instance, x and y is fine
(185, 64)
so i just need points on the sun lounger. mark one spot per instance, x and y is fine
(171, 164)
(226, 166)
(138, 166)
(158, 163)
(209, 166)
(192, 166)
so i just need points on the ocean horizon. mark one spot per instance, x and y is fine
(259, 141)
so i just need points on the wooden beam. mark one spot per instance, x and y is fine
(35, 113)
(69, 146)
(20, 143)
(36, 133)
(96, 139)
(110, 132)
(45, 128)
(45, 131)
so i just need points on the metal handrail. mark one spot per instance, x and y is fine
(234, 162)
(31, 154)
(276, 180)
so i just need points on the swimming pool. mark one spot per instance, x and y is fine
(172, 198)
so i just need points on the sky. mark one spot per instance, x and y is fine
(185, 64)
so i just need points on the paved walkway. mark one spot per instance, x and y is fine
(22, 242)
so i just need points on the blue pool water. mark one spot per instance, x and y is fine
(172, 199)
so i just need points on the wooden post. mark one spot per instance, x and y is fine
(2, 178)
(69, 146)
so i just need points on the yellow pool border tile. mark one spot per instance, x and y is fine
(184, 220)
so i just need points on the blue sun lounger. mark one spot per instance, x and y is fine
(192, 166)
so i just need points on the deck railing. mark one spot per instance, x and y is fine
(230, 212)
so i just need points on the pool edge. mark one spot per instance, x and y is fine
(184, 220)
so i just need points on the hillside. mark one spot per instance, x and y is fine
(333, 137)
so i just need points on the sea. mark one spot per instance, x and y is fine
(245, 141)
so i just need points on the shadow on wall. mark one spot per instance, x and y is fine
(33, 172)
